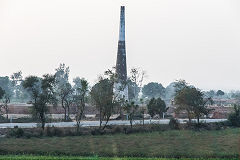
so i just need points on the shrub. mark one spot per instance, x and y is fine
(174, 124)
(70, 132)
(97, 131)
(234, 118)
(158, 127)
(2, 118)
(57, 132)
(48, 131)
(53, 131)
(16, 132)
(28, 134)
(116, 130)
(19, 132)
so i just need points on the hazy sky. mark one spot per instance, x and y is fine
(195, 40)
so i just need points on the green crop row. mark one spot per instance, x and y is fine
(29, 157)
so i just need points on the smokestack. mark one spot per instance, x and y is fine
(121, 90)
(121, 66)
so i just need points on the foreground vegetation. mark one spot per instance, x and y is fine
(167, 144)
(89, 158)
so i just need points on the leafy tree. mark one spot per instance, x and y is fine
(79, 98)
(103, 97)
(173, 88)
(235, 94)
(153, 89)
(2, 92)
(234, 118)
(64, 89)
(131, 109)
(6, 85)
(157, 107)
(191, 100)
(42, 94)
(220, 93)
(179, 85)
(170, 91)
(210, 93)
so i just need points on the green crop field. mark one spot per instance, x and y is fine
(90, 158)
(168, 144)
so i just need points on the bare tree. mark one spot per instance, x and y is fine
(79, 98)
(137, 77)
(63, 88)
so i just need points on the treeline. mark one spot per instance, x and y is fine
(57, 90)
(154, 89)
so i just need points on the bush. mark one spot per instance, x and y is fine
(16, 132)
(53, 131)
(158, 127)
(234, 118)
(116, 130)
(97, 131)
(174, 124)
(3, 119)
(19, 132)
(57, 132)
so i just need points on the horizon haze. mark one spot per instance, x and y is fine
(193, 40)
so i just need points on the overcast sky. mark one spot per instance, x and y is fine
(195, 40)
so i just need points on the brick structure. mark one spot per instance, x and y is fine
(120, 89)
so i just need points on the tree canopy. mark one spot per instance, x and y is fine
(157, 107)
(42, 94)
(103, 97)
(153, 90)
(220, 93)
(191, 100)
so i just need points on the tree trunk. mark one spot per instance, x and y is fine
(68, 117)
(143, 119)
(106, 122)
(65, 114)
(78, 126)
(198, 119)
(100, 119)
(189, 117)
(43, 121)
(65, 110)
(131, 119)
(78, 119)
(7, 111)
(43, 125)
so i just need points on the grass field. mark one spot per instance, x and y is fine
(192, 144)
(89, 158)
